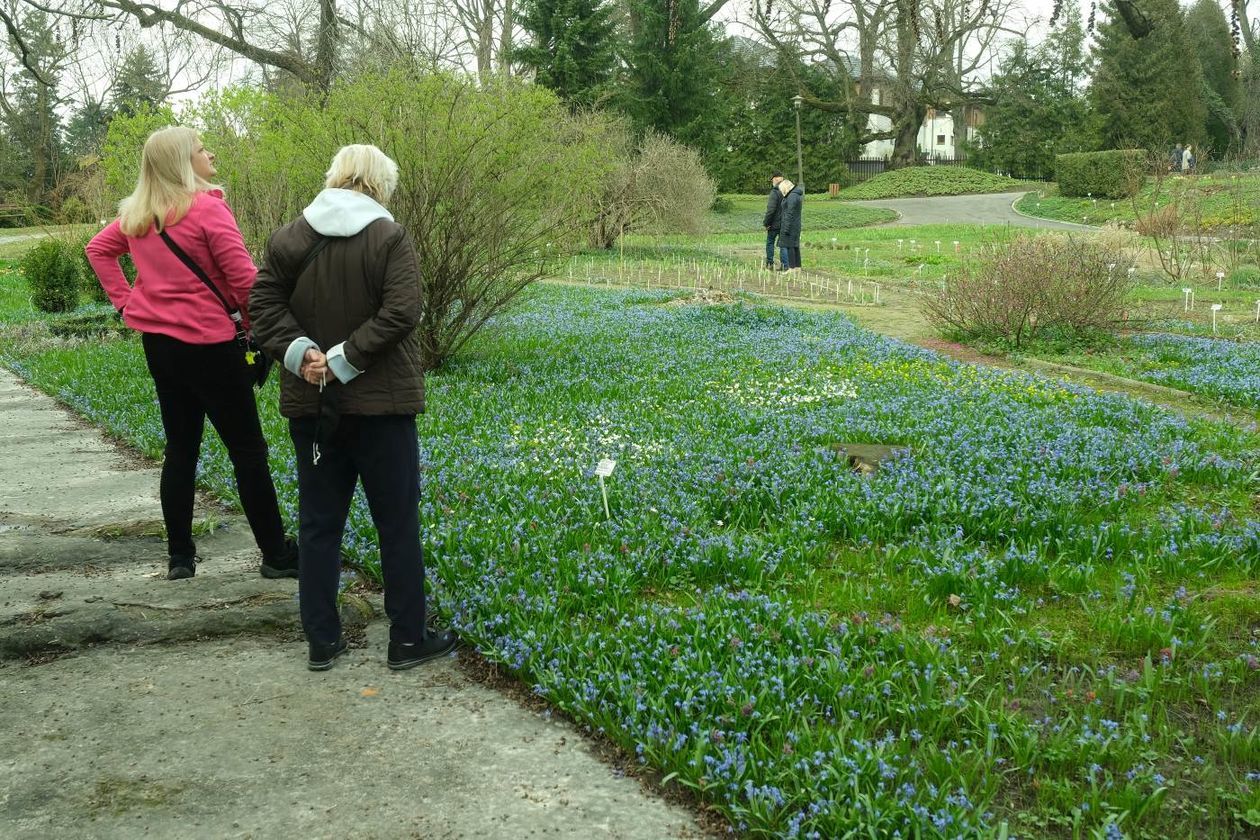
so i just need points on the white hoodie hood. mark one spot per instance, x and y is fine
(343, 212)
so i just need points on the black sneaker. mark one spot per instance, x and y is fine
(404, 655)
(282, 565)
(321, 656)
(181, 566)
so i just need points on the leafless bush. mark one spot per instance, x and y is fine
(656, 185)
(1162, 221)
(1037, 283)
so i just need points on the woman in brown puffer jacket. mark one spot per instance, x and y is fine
(338, 300)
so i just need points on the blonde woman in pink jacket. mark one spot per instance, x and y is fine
(190, 346)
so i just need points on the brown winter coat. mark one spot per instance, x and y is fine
(363, 290)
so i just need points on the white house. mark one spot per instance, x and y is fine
(937, 136)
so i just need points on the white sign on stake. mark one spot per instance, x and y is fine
(1216, 307)
(1186, 304)
(1220, 276)
(604, 469)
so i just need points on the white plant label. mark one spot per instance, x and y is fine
(604, 469)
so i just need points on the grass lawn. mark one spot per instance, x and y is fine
(1226, 200)
(1038, 618)
(746, 212)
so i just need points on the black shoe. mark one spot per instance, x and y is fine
(181, 566)
(404, 655)
(282, 565)
(321, 657)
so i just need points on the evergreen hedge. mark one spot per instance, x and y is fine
(1118, 173)
(52, 271)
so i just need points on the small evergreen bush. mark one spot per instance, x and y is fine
(54, 274)
(1118, 173)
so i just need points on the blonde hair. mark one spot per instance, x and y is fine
(167, 184)
(365, 169)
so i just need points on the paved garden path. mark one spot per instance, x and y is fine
(133, 706)
(983, 209)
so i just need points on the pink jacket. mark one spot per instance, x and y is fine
(168, 298)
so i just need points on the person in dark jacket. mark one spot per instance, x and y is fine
(339, 300)
(790, 223)
(774, 213)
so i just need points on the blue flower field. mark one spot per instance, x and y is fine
(1039, 618)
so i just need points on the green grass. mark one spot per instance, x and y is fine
(747, 211)
(931, 180)
(1226, 200)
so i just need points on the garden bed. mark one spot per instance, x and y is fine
(1037, 614)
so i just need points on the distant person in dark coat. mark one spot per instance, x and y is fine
(790, 223)
(774, 212)
(1175, 162)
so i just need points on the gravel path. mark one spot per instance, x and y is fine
(984, 209)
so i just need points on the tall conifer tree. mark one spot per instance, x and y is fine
(572, 49)
(1147, 91)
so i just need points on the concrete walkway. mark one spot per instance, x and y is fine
(133, 706)
(983, 209)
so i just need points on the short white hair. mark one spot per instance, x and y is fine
(363, 168)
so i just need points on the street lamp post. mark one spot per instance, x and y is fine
(800, 176)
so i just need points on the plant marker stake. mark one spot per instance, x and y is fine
(938, 246)
(957, 246)
(899, 243)
(1220, 277)
(1186, 292)
(605, 468)
(1258, 312)
(1216, 307)
(877, 293)
(851, 293)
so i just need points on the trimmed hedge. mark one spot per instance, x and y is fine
(1118, 173)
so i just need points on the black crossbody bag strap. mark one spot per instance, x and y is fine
(234, 314)
(191, 265)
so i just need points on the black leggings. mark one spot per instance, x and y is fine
(196, 381)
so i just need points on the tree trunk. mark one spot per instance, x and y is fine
(326, 44)
(906, 146)
(505, 38)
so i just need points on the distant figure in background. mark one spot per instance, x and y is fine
(774, 214)
(1174, 160)
(790, 223)
(1187, 161)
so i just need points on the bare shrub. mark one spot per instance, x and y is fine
(656, 185)
(1036, 284)
(1162, 221)
(496, 182)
